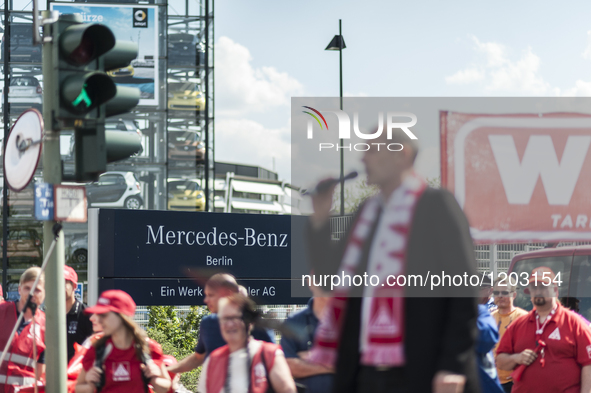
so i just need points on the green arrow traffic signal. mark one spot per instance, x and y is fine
(87, 94)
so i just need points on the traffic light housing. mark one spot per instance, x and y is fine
(86, 95)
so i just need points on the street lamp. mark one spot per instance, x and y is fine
(338, 43)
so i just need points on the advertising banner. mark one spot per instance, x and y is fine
(165, 257)
(128, 23)
(519, 177)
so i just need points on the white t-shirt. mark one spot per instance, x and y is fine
(237, 368)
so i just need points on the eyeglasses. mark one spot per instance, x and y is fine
(235, 318)
(502, 293)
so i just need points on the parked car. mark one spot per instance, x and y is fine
(185, 50)
(123, 125)
(20, 203)
(23, 243)
(24, 92)
(185, 96)
(79, 250)
(21, 46)
(185, 145)
(572, 266)
(121, 72)
(185, 195)
(115, 189)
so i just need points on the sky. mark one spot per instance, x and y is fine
(267, 52)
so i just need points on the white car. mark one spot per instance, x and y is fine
(24, 92)
(115, 189)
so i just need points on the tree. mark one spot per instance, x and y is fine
(177, 336)
(354, 196)
(360, 191)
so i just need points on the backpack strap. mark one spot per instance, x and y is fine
(268, 357)
(102, 351)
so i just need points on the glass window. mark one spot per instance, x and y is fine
(581, 284)
(560, 265)
(109, 180)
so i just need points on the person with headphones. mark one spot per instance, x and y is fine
(124, 360)
(244, 365)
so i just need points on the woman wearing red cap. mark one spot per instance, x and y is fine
(127, 360)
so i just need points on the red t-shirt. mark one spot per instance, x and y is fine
(122, 368)
(568, 349)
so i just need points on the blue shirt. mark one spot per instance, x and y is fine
(488, 336)
(303, 326)
(210, 336)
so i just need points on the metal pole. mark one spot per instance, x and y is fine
(55, 300)
(342, 152)
(206, 109)
(493, 260)
(6, 116)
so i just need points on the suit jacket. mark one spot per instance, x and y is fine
(440, 329)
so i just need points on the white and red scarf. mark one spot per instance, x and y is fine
(382, 321)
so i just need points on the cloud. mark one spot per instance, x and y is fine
(248, 142)
(242, 88)
(499, 73)
(467, 76)
(581, 89)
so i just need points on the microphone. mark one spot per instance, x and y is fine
(326, 184)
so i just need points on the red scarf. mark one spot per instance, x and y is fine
(382, 319)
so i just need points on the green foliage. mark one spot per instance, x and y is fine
(354, 196)
(360, 191)
(434, 182)
(177, 336)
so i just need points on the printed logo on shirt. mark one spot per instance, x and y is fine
(36, 333)
(260, 374)
(589, 351)
(121, 372)
(72, 327)
(555, 335)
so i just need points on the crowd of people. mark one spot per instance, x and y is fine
(545, 350)
(379, 338)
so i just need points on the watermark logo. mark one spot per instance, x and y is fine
(344, 128)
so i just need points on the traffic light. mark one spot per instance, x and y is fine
(86, 95)
(83, 85)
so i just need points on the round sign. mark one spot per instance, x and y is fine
(23, 149)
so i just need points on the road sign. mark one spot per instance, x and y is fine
(79, 291)
(70, 203)
(44, 205)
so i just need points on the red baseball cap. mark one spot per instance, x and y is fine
(70, 274)
(540, 276)
(113, 300)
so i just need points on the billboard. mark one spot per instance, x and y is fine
(519, 177)
(165, 257)
(128, 23)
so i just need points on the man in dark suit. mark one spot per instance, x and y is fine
(416, 339)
